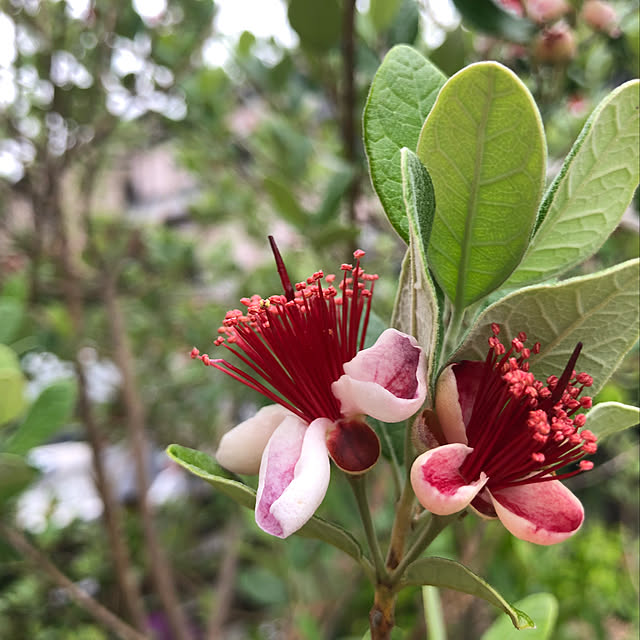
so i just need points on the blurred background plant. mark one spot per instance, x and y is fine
(146, 150)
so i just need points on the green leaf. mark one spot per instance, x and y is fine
(401, 96)
(12, 383)
(382, 12)
(317, 23)
(416, 310)
(585, 202)
(543, 608)
(205, 467)
(440, 572)
(607, 418)
(487, 16)
(484, 148)
(51, 409)
(600, 310)
(15, 475)
(11, 313)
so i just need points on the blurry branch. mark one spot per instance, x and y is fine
(349, 103)
(225, 583)
(74, 299)
(135, 422)
(42, 564)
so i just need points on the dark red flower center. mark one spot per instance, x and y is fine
(294, 345)
(521, 430)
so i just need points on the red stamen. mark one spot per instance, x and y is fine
(520, 430)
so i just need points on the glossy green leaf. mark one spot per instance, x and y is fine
(50, 411)
(382, 12)
(484, 148)
(416, 309)
(585, 202)
(12, 385)
(600, 310)
(401, 96)
(317, 23)
(607, 418)
(440, 572)
(487, 16)
(15, 475)
(543, 609)
(205, 467)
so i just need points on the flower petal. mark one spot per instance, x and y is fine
(540, 512)
(385, 381)
(353, 445)
(456, 391)
(240, 449)
(294, 475)
(437, 483)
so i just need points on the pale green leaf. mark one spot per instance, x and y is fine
(12, 385)
(543, 609)
(433, 615)
(317, 23)
(205, 467)
(440, 572)
(51, 409)
(606, 418)
(585, 202)
(11, 313)
(15, 475)
(401, 96)
(416, 309)
(600, 310)
(484, 148)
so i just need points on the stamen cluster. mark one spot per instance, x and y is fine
(295, 344)
(522, 430)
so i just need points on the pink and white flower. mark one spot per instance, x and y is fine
(304, 350)
(507, 436)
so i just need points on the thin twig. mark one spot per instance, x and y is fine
(42, 564)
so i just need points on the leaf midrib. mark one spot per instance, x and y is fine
(474, 190)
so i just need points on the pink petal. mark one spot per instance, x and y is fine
(353, 445)
(240, 449)
(540, 512)
(385, 381)
(437, 483)
(294, 476)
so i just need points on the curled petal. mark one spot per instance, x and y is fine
(385, 381)
(540, 512)
(294, 475)
(455, 394)
(353, 445)
(241, 448)
(437, 483)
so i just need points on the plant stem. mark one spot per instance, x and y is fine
(430, 532)
(360, 492)
(381, 616)
(43, 565)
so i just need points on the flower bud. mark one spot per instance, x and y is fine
(555, 45)
(601, 16)
(546, 11)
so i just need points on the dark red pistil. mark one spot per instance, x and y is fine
(521, 430)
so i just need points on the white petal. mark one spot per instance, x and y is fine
(385, 381)
(437, 483)
(294, 476)
(241, 448)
